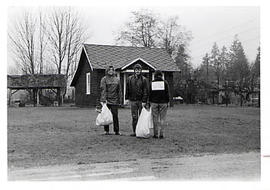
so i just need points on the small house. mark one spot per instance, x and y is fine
(94, 59)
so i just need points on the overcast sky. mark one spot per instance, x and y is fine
(207, 24)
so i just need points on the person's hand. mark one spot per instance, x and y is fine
(102, 103)
(143, 104)
(127, 102)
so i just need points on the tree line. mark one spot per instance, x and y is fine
(222, 67)
(51, 42)
(229, 69)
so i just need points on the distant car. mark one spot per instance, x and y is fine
(16, 101)
(254, 99)
(178, 99)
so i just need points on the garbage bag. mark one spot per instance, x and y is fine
(104, 117)
(144, 124)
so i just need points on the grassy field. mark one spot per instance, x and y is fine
(64, 135)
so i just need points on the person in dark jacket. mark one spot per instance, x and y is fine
(111, 94)
(137, 94)
(159, 99)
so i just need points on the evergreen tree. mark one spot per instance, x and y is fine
(182, 61)
(256, 67)
(215, 62)
(238, 67)
(224, 59)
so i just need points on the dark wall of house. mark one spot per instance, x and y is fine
(81, 98)
(169, 78)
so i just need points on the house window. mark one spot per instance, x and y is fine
(88, 83)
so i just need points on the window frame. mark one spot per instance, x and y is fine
(88, 83)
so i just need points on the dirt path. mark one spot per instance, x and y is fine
(245, 166)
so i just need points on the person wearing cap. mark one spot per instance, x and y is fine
(111, 94)
(159, 97)
(136, 94)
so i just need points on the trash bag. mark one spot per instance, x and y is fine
(104, 117)
(144, 124)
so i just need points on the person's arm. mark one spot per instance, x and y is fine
(145, 91)
(127, 89)
(120, 94)
(103, 88)
(150, 92)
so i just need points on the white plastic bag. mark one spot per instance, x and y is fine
(104, 117)
(144, 124)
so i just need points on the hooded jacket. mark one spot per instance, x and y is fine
(110, 90)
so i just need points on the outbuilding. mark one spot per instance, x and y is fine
(94, 59)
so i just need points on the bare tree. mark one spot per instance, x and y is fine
(42, 42)
(66, 35)
(172, 35)
(141, 30)
(23, 46)
(146, 29)
(23, 43)
(75, 37)
(55, 39)
(57, 36)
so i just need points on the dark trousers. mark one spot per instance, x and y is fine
(136, 108)
(114, 110)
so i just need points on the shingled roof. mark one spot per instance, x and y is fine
(101, 56)
(36, 81)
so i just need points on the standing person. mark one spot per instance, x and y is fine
(111, 94)
(159, 99)
(136, 94)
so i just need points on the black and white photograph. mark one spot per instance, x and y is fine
(134, 93)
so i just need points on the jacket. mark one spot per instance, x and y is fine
(110, 90)
(159, 91)
(137, 88)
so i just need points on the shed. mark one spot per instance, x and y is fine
(36, 82)
(94, 59)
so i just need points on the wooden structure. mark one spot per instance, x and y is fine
(95, 59)
(36, 82)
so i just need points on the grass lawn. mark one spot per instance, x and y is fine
(65, 135)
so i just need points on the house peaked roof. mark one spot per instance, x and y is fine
(101, 56)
